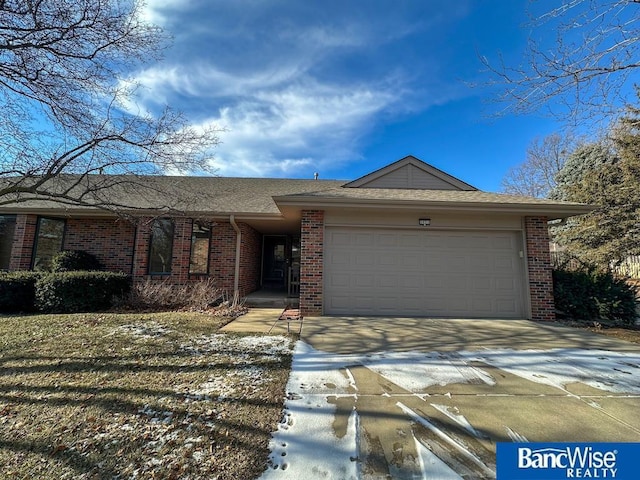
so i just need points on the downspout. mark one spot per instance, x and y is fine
(236, 280)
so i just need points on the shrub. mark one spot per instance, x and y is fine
(68, 292)
(588, 294)
(75, 260)
(17, 291)
(162, 295)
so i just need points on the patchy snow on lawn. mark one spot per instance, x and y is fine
(143, 330)
(244, 379)
(239, 345)
(307, 446)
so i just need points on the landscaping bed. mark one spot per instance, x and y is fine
(162, 396)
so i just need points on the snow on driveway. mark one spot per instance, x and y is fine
(310, 443)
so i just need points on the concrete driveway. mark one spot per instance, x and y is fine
(432, 397)
(375, 398)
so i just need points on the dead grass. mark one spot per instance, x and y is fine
(149, 396)
(628, 334)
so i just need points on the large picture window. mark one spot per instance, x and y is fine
(161, 247)
(48, 242)
(7, 229)
(200, 245)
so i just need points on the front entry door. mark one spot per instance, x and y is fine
(275, 265)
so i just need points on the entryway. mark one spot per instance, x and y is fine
(281, 264)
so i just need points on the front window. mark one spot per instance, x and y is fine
(200, 244)
(7, 229)
(48, 242)
(161, 247)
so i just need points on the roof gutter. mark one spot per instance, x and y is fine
(553, 210)
(236, 277)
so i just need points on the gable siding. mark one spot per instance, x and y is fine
(412, 177)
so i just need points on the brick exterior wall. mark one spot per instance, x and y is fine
(124, 246)
(110, 240)
(222, 256)
(539, 266)
(141, 248)
(250, 256)
(311, 262)
(181, 252)
(23, 240)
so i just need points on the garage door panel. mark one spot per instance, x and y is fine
(339, 239)
(502, 242)
(411, 281)
(388, 260)
(365, 258)
(480, 262)
(386, 240)
(506, 287)
(503, 262)
(363, 281)
(387, 281)
(483, 283)
(409, 240)
(422, 273)
(482, 305)
(364, 240)
(435, 304)
(458, 306)
(457, 263)
(339, 258)
(339, 281)
(507, 306)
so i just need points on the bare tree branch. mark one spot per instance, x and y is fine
(586, 70)
(63, 66)
(536, 176)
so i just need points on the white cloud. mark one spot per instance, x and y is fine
(296, 94)
(156, 12)
(297, 130)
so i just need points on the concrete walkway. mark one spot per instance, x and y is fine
(512, 408)
(261, 320)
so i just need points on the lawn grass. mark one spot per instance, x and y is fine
(149, 396)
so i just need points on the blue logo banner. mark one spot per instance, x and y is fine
(552, 461)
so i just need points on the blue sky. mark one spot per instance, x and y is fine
(344, 87)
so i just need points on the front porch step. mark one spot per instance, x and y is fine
(270, 299)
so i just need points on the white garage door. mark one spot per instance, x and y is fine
(423, 273)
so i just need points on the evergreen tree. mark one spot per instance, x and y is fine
(606, 176)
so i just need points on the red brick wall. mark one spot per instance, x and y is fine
(311, 262)
(141, 247)
(539, 265)
(124, 246)
(250, 259)
(110, 240)
(23, 239)
(222, 257)
(181, 252)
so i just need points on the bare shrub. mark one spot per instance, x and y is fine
(162, 295)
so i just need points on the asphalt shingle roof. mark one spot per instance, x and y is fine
(255, 196)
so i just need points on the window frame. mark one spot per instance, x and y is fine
(151, 236)
(15, 221)
(36, 238)
(209, 229)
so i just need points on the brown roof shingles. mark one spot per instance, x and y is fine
(261, 196)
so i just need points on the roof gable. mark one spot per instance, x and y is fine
(410, 173)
